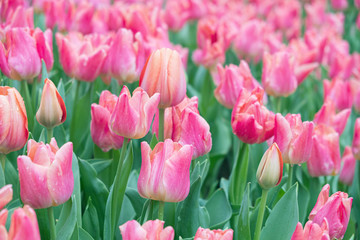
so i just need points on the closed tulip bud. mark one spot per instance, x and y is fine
(24, 225)
(335, 209)
(132, 116)
(356, 140)
(311, 231)
(52, 111)
(207, 234)
(13, 121)
(6, 194)
(46, 177)
(164, 73)
(348, 167)
(325, 154)
(165, 171)
(99, 126)
(269, 172)
(151, 230)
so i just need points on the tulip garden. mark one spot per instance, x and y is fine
(191, 119)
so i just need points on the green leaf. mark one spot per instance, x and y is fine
(77, 191)
(153, 141)
(136, 200)
(91, 220)
(43, 222)
(84, 235)
(283, 218)
(44, 73)
(304, 198)
(242, 231)
(219, 209)
(67, 220)
(2, 176)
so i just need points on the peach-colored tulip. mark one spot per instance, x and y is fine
(207, 234)
(325, 154)
(52, 110)
(339, 92)
(270, 170)
(6, 195)
(293, 137)
(311, 231)
(335, 209)
(251, 121)
(327, 115)
(151, 230)
(14, 125)
(24, 225)
(164, 73)
(356, 140)
(132, 116)
(99, 126)
(348, 166)
(46, 177)
(165, 171)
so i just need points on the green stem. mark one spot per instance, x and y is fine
(151, 209)
(260, 214)
(161, 124)
(3, 164)
(50, 211)
(290, 176)
(278, 104)
(28, 104)
(49, 134)
(161, 210)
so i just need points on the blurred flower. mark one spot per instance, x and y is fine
(270, 169)
(293, 137)
(311, 231)
(46, 177)
(207, 234)
(59, 13)
(335, 209)
(150, 230)
(6, 195)
(21, 17)
(339, 92)
(132, 116)
(356, 139)
(339, 4)
(164, 73)
(13, 121)
(99, 126)
(348, 167)
(52, 110)
(165, 171)
(325, 154)
(251, 121)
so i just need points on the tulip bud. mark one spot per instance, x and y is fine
(52, 111)
(24, 224)
(311, 231)
(348, 167)
(45, 174)
(207, 234)
(356, 140)
(13, 121)
(165, 171)
(164, 73)
(6, 194)
(151, 230)
(269, 172)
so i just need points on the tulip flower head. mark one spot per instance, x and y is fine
(269, 172)
(151, 230)
(6, 195)
(348, 167)
(46, 177)
(356, 140)
(13, 121)
(52, 110)
(207, 234)
(165, 171)
(311, 231)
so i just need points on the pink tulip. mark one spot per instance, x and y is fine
(335, 209)
(60, 13)
(165, 171)
(126, 56)
(230, 80)
(358, 21)
(339, 4)
(312, 231)
(44, 46)
(52, 110)
(14, 124)
(164, 73)
(357, 3)
(8, 7)
(24, 225)
(46, 177)
(251, 121)
(151, 230)
(293, 137)
(278, 77)
(99, 126)
(339, 92)
(327, 115)
(6, 195)
(348, 167)
(356, 139)
(21, 17)
(325, 154)
(355, 92)
(207, 234)
(132, 116)
(81, 56)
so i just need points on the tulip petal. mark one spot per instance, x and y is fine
(132, 230)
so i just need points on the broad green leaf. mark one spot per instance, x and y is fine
(304, 198)
(153, 141)
(84, 235)
(283, 218)
(136, 200)
(67, 220)
(242, 231)
(77, 191)
(2, 176)
(91, 220)
(219, 209)
(43, 222)
(44, 73)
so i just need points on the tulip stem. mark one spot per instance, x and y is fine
(161, 210)
(50, 211)
(161, 124)
(290, 176)
(260, 214)
(49, 134)
(28, 103)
